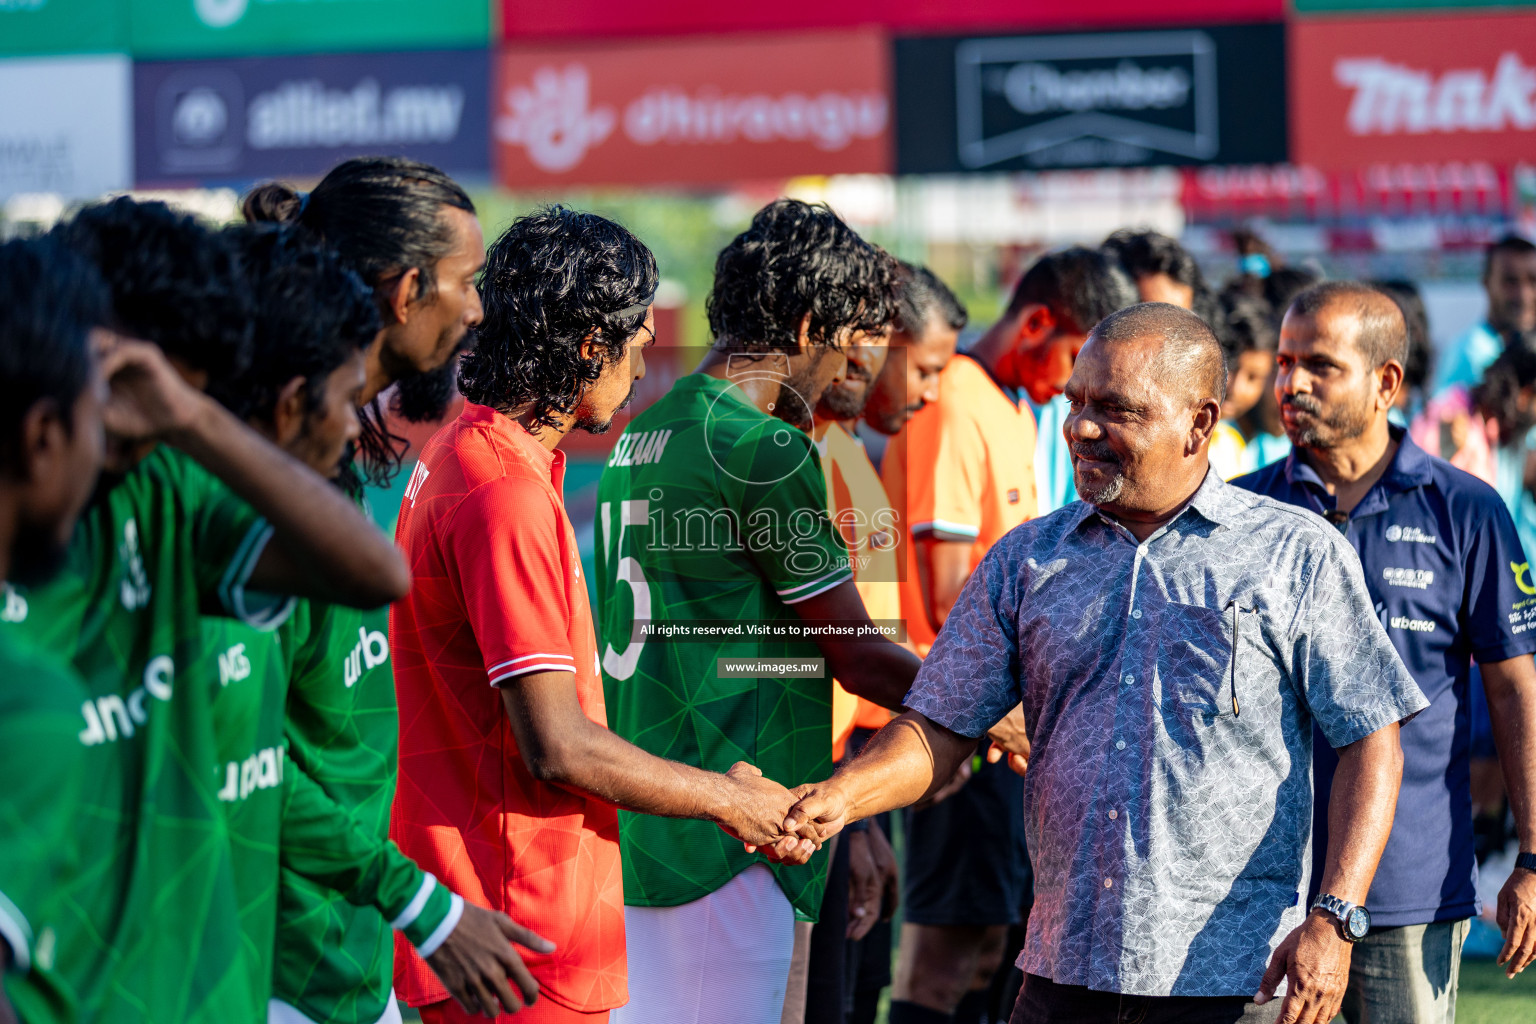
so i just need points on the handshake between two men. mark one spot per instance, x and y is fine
(911, 760)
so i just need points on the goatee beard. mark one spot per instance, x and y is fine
(425, 397)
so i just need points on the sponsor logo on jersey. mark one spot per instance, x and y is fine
(234, 666)
(1413, 625)
(418, 477)
(1522, 573)
(1409, 535)
(262, 770)
(370, 651)
(14, 607)
(1418, 579)
(640, 449)
(135, 589)
(110, 716)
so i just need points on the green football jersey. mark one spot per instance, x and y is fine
(335, 961)
(710, 510)
(43, 767)
(282, 824)
(287, 830)
(148, 926)
(249, 771)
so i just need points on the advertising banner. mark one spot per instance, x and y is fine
(71, 135)
(62, 26)
(693, 112)
(535, 19)
(1394, 90)
(1212, 94)
(238, 120)
(198, 28)
(1403, 191)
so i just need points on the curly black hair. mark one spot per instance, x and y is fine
(173, 281)
(50, 299)
(552, 280)
(1144, 252)
(1248, 324)
(798, 258)
(314, 313)
(1498, 396)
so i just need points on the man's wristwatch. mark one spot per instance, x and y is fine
(1354, 921)
(1526, 860)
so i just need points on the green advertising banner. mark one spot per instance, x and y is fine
(196, 28)
(40, 27)
(1326, 6)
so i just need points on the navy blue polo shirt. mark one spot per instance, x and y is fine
(1450, 583)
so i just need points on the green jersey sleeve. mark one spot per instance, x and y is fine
(774, 480)
(322, 843)
(42, 763)
(229, 538)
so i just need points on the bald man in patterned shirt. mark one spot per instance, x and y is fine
(1173, 640)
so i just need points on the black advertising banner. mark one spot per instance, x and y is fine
(210, 121)
(1212, 94)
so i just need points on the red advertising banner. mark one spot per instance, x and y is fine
(533, 19)
(698, 111)
(1306, 193)
(1413, 90)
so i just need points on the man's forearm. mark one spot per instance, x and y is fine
(904, 762)
(598, 762)
(1360, 810)
(1511, 689)
(325, 547)
(880, 672)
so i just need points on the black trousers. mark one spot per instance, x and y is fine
(1044, 1002)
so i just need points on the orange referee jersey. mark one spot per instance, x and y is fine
(966, 464)
(862, 513)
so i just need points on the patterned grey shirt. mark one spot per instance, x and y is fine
(1168, 803)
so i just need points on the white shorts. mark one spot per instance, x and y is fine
(722, 959)
(279, 1012)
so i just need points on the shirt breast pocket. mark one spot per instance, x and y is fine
(1195, 661)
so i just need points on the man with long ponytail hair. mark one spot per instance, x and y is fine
(410, 233)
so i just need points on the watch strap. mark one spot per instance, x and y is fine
(1526, 860)
(1338, 908)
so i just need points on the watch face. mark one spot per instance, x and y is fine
(1358, 923)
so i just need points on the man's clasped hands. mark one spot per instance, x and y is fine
(789, 825)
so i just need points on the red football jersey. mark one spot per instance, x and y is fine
(497, 592)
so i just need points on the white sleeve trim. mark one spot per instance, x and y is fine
(946, 526)
(17, 934)
(822, 590)
(418, 902)
(792, 594)
(450, 922)
(523, 670)
(530, 657)
(265, 612)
